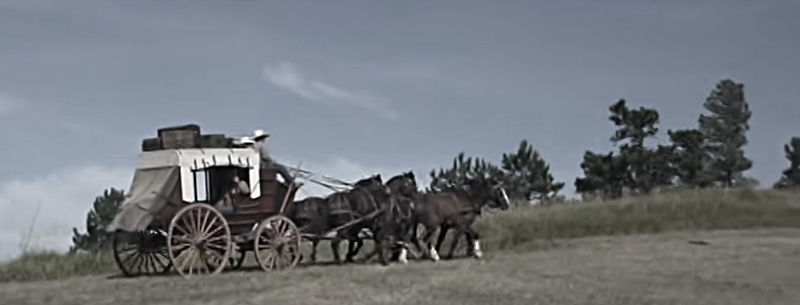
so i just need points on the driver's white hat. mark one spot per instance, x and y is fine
(246, 141)
(259, 134)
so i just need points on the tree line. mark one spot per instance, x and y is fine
(710, 155)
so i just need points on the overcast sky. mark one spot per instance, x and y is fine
(359, 87)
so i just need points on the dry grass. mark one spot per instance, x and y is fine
(526, 229)
(738, 267)
(51, 265)
(689, 210)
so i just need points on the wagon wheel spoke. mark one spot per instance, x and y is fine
(134, 252)
(202, 218)
(131, 262)
(159, 262)
(208, 229)
(151, 263)
(277, 243)
(204, 243)
(162, 258)
(182, 259)
(270, 260)
(215, 239)
(129, 248)
(182, 231)
(179, 248)
(209, 262)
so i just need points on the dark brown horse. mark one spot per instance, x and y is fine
(311, 217)
(403, 188)
(457, 208)
(367, 206)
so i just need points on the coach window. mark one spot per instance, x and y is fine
(201, 186)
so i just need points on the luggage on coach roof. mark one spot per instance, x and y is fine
(151, 144)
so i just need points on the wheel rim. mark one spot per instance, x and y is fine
(277, 244)
(199, 238)
(141, 253)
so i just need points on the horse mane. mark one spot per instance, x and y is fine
(366, 181)
(395, 178)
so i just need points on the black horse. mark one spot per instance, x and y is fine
(456, 208)
(311, 216)
(403, 189)
(369, 205)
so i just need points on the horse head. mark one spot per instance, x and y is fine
(489, 192)
(404, 184)
(374, 184)
(371, 181)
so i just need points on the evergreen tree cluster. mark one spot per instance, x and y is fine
(104, 208)
(709, 155)
(524, 174)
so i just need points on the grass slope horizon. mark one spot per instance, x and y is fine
(526, 228)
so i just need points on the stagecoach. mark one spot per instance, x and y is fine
(168, 221)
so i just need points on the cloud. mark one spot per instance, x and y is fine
(8, 103)
(64, 197)
(286, 76)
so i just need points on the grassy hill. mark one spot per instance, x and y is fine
(527, 228)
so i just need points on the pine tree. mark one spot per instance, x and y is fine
(725, 132)
(647, 168)
(604, 175)
(690, 161)
(790, 179)
(462, 168)
(103, 211)
(527, 175)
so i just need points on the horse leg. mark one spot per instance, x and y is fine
(442, 234)
(473, 237)
(351, 251)
(404, 243)
(382, 240)
(427, 238)
(314, 244)
(460, 230)
(335, 249)
(414, 239)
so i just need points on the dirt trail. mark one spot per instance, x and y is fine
(736, 267)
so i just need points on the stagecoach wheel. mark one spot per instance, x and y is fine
(199, 236)
(141, 253)
(277, 244)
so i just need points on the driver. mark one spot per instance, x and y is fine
(260, 139)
